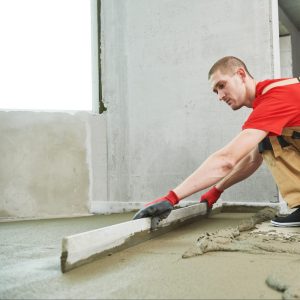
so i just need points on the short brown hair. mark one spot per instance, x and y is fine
(228, 63)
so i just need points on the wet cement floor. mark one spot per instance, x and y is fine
(30, 264)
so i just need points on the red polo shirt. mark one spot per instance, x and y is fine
(276, 109)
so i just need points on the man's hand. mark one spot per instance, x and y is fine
(161, 207)
(211, 196)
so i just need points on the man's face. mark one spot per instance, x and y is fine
(230, 88)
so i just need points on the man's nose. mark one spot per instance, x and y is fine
(221, 95)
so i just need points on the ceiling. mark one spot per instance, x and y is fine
(292, 10)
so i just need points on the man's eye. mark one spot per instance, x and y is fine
(221, 86)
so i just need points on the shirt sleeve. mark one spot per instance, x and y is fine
(270, 115)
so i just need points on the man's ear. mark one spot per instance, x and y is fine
(242, 73)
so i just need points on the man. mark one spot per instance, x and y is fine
(273, 125)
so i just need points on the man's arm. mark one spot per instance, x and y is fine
(246, 167)
(221, 163)
(224, 166)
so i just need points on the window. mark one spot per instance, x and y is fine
(45, 55)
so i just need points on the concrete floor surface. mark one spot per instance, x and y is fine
(30, 264)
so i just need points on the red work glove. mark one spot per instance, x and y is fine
(211, 196)
(161, 207)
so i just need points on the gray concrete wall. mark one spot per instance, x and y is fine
(286, 62)
(163, 120)
(51, 164)
(295, 41)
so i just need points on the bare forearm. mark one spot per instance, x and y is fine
(222, 163)
(210, 172)
(245, 168)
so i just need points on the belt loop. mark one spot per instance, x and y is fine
(275, 145)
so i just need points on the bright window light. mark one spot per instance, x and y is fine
(45, 55)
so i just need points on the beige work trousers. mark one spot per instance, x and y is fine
(284, 164)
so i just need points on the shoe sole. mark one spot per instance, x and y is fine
(291, 224)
